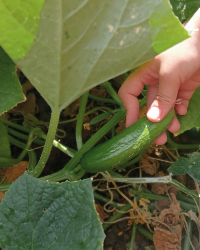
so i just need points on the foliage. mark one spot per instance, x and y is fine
(42, 215)
(68, 57)
(184, 9)
(192, 118)
(10, 90)
(190, 165)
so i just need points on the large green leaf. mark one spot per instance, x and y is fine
(184, 9)
(82, 43)
(192, 118)
(10, 88)
(39, 215)
(190, 166)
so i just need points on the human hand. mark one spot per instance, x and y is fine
(172, 77)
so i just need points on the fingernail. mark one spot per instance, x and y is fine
(154, 113)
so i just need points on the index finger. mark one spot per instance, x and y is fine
(133, 86)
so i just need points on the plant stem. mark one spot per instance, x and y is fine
(164, 179)
(106, 200)
(79, 124)
(144, 232)
(90, 112)
(24, 137)
(32, 156)
(117, 215)
(48, 144)
(112, 92)
(134, 229)
(185, 190)
(188, 235)
(180, 146)
(101, 99)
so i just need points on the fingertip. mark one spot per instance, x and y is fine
(174, 126)
(162, 139)
(154, 114)
(181, 109)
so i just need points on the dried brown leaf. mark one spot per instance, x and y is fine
(159, 188)
(162, 204)
(100, 92)
(121, 127)
(148, 166)
(143, 111)
(26, 107)
(169, 237)
(167, 240)
(2, 194)
(72, 109)
(102, 214)
(13, 173)
(172, 189)
(26, 87)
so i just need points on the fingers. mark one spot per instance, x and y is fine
(133, 86)
(166, 95)
(162, 139)
(183, 101)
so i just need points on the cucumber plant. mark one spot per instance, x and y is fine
(65, 48)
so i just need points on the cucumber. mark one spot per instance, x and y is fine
(124, 146)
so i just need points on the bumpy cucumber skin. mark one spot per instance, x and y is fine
(124, 146)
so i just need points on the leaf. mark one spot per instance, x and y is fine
(169, 237)
(10, 88)
(76, 45)
(190, 166)
(192, 118)
(185, 9)
(37, 214)
(179, 167)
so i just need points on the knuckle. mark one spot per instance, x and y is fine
(165, 100)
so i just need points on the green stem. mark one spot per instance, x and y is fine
(117, 216)
(5, 186)
(101, 99)
(14, 125)
(188, 235)
(106, 200)
(112, 93)
(79, 124)
(24, 137)
(90, 112)
(164, 179)
(32, 155)
(134, 229)
(185, 190)
(180, 146)
(145, 232)
(185, 199)
(48, 144)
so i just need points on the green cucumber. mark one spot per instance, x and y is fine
(124, 146)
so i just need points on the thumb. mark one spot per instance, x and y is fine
(163, 98)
